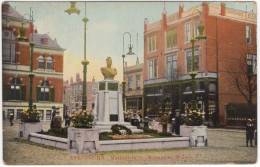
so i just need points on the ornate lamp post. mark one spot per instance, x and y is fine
(129, 53)
(31, 74)
(193, 39)
(84, 62)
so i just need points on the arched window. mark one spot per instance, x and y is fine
(15, 89)
(49, 63)
(44, 92)
(8, 38)
(41, 62)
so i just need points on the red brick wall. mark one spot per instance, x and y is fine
(227, 39)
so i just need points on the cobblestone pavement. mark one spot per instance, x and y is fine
(225, 147)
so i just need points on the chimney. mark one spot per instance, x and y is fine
(5, 7)
(146, 23)
(164, 18)
(181, 6)
(223, 9)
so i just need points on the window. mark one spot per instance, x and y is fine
(18, 115)
(187, 32)
(41, 62)
(171, 65)
(251, 64)
(137, 81)
(48, 114)
(248, 34)
(152, 43)
(189, 60)
(130, 83)
(94, 89)
(8, 46)
(171, 37)
(49, 63)
(41, 114)
(155, 68)
(15, 89)
(150, 69)
(44, 95)
(73, 90)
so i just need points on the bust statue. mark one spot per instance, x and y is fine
(108, 72)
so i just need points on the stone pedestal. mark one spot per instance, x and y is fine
(83, 141)
(197, 135)
(26, 128)
(109, 107)
(108, 102)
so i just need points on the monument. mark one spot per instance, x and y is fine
(108, 108)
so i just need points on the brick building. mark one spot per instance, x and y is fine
(72, 94)
(134, 88)
(231, 34)
(47, 67)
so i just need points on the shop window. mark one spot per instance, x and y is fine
(41, 114)
(18, 114)
(48, 114)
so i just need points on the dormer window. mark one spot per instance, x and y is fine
(49, 63)
(44, 39)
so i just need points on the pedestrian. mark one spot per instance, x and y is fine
(146, 121)
(178, 122)
(214, 118)
(67, 120)
(52, 119)
(11, 117)
(250, 129)
(173, 125)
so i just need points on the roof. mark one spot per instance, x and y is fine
(37, 39)
(11, 12)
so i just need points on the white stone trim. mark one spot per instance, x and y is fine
(38, 49)
(13, 69)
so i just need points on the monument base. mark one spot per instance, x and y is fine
(106, 126)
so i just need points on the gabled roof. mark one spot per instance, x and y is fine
(11, 12)
(37, 39)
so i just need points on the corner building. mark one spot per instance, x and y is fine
(47, 67)
(231, 34)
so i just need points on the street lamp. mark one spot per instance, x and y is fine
(193, 39)
(84, 62)
(129, 53)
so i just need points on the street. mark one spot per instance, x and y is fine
(224, 147)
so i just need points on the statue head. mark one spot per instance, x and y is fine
(109, 62)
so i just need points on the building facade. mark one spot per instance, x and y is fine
(231, 34)
(134, 90)
(72, 93)
(47, 67)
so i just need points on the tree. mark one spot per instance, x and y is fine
(243, 76)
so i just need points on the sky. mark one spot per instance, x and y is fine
(108, 21)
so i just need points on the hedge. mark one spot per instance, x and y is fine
(241, 110)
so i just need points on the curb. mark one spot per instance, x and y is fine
(228, 130)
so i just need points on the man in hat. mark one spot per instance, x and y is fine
(250, 128)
